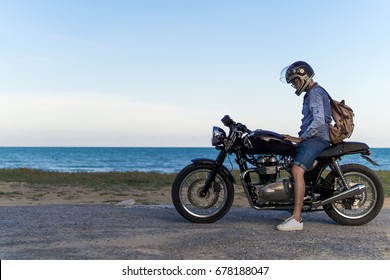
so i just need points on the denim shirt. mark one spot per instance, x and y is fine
(316, 114)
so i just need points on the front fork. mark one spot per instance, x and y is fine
(211, 178)
(219, 162)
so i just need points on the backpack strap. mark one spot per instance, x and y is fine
(333, 103)
(317, 85)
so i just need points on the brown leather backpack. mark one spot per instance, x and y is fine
(343, 126)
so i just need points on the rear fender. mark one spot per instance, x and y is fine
(211, 161)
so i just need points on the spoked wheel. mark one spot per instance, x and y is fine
(193, 202)
(359, 209)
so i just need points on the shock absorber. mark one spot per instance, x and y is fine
(337, 169)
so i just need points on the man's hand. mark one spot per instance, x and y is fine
(292, 138)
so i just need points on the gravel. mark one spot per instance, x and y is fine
(66, 232)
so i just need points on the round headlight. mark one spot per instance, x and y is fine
(218, 136)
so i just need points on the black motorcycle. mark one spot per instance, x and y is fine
(203, 191)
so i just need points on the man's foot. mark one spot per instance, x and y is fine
(290, 225)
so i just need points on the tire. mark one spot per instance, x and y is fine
(360, 209)
(188, 200)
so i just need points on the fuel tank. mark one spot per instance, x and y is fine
(268, 142)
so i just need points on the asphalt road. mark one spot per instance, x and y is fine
(66, 232)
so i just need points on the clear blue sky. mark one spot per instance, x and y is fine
(163, 72)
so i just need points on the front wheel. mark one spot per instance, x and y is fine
(360, 209)
(193, 203)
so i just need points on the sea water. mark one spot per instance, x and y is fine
(162, 160)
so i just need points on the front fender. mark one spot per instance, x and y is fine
(211, 161)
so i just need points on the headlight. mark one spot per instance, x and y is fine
(218, 136)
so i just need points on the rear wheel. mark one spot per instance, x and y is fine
(359, 209)
(196, 205)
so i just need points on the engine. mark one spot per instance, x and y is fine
(269, 187)
(267, 168)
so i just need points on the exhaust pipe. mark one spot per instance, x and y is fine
(355, 190)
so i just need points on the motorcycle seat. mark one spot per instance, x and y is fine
(345, 148)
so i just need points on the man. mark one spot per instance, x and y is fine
(313, 136)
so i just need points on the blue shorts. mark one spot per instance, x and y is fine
(308, 150)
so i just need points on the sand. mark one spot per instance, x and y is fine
(20, 194)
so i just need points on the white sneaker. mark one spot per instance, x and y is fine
(290, 225)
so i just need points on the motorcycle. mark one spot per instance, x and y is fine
(203, 191)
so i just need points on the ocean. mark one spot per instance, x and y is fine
(162, 160)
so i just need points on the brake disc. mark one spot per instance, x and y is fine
(200, 199)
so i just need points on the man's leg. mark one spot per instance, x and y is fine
(299, 191)
(295, 222)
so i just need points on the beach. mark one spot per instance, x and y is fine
(24, 194)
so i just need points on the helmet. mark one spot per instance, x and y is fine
(298, 70)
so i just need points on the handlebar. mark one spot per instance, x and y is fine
(227, 121)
